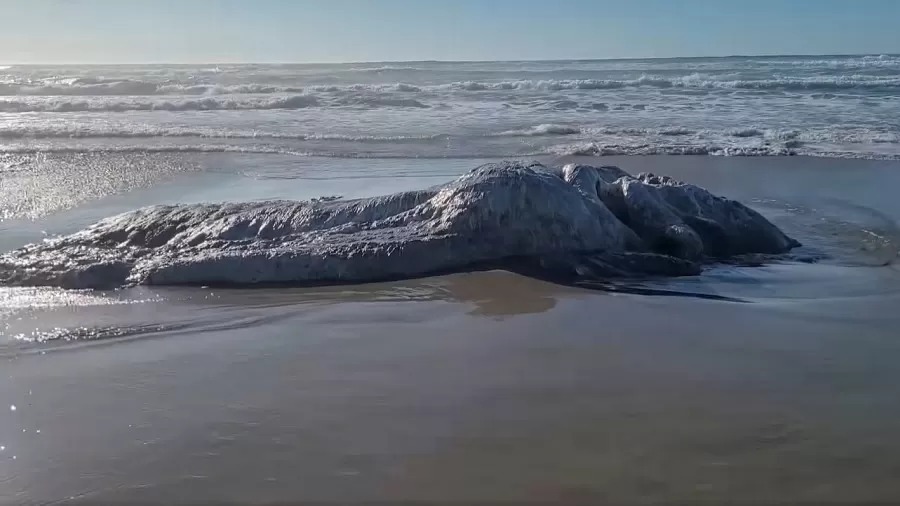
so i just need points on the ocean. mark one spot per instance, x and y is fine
(834, 106)
(772, 383)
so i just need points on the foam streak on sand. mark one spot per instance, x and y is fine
(572, 224)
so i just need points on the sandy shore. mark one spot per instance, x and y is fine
(485, 387)
(477, 387)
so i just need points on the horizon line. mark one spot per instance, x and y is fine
(539, 60)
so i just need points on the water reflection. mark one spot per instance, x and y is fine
(33, 319)
(491, 293)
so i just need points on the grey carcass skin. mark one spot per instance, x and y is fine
(570, 223)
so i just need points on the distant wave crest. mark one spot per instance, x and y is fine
(385, 68)
(691, 81)
(96, 87)
(127, 88)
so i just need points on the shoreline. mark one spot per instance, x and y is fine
(472, 387)
(517, 390)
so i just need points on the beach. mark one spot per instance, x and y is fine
(475, 386)
(766, 384)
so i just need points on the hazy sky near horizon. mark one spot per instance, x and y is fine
(185, 31)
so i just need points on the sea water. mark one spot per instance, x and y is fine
(773, 383)
(836, 106)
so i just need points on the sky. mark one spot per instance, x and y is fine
(225, 31)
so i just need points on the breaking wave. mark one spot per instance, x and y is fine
(216, 89)
(128, 87)
(599, 149)
(840, 105)
(595, 149)
(539, 130)
(266, 149)
(691, 81)
(384, 68)
(149, 132)
(844, 141)
(863, 62)
(407, 87)
(171, 148)
(224, 103)
(75, 131)
(81, 86)
(789, 148)
(203, 104)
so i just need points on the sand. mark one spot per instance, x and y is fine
(485, 387)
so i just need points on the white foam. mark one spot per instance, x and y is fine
(799, 105)
(407, 88)
(864, 62)
(219, 103)
(837, 141)
(384, 68)
(543, 129)
(202, 104)
(787, 149)
(698, 81)
(33, 148)
(82, 87)
(144, 131)
(134, 87)
(79, 87)
(215, 89)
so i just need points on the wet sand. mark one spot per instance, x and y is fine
(474, 387)
(483, 387)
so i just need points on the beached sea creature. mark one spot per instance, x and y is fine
(566, 224)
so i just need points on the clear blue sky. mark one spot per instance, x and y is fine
(117, 31)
